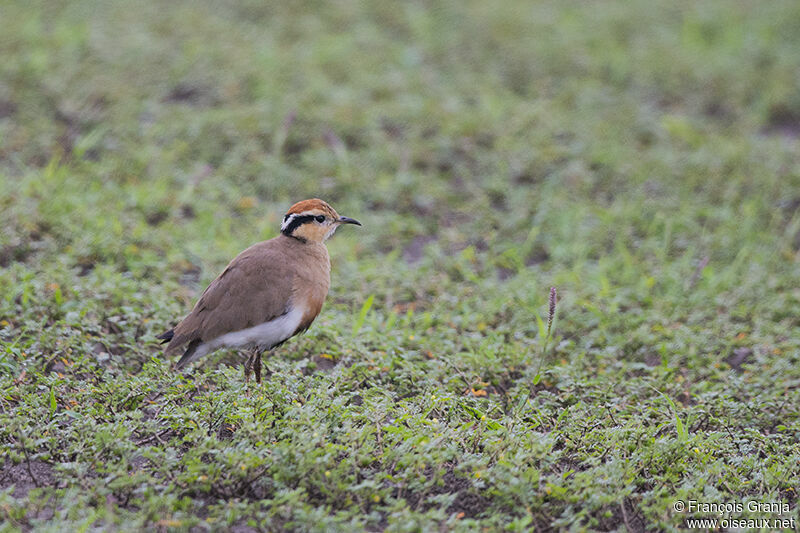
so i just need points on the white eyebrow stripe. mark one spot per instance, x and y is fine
(288, 220)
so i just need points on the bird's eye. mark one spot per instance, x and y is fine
(320, 218)
(286, 217)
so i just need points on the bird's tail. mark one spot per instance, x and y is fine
(166, 336)
(191, 352)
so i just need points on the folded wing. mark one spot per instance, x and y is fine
(254, 288)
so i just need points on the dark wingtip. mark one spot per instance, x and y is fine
(166, 336)
(187, 355)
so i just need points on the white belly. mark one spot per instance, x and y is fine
(264, 335)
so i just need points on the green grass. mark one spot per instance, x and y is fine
(643, 158)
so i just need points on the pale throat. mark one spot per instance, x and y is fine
(331, 231)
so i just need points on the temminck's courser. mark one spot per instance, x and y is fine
(270, 292)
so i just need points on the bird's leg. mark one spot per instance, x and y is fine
(257, 365)
(248, 366)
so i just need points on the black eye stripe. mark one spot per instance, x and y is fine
(296, 222)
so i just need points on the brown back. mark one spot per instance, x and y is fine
(257, 286)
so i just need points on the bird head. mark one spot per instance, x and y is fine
(313, 221)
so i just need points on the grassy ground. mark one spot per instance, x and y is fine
(644, 158)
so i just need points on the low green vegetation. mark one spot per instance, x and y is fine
(641, 157)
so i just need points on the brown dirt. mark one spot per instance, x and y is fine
(469, 501)
(7, 108)
(739, 357)
(414, 251)
(784, 121)
(26, 476)
(192, 94)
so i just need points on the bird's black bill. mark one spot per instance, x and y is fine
(348, 220)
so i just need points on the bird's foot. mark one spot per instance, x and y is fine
(257, 367)
(248, 368)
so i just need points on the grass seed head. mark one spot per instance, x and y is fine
(552, 313)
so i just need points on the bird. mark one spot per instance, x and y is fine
(267, 294)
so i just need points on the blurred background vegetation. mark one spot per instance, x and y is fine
(643, 157)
